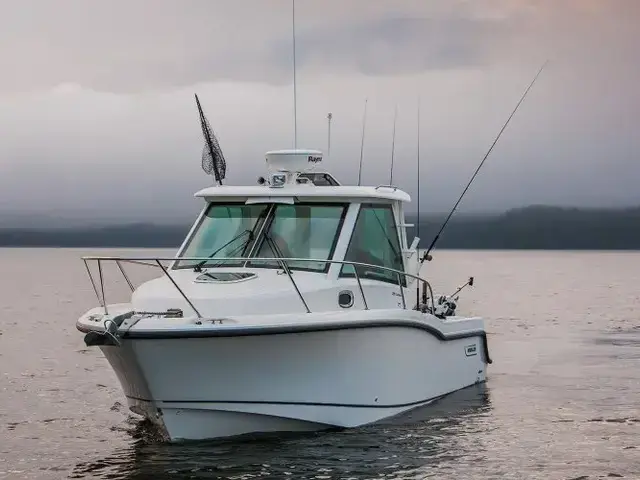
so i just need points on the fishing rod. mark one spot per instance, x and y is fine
(426, 255)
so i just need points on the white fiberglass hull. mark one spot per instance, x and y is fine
(269, 380)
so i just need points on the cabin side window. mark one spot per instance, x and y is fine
(375, 241)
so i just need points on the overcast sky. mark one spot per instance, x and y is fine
(97, 116)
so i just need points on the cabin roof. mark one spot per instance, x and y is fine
(331, 193)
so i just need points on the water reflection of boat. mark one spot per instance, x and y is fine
(414, 441)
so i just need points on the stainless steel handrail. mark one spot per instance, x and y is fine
(281, 260)
(364, 300)
(165, 271)
(124, 274)
(387, 186)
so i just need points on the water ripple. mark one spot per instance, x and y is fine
(561, 401)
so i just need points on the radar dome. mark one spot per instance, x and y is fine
(294, 161)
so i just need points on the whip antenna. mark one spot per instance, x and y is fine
(329, 118)
(212, 158)
(418, 174)
(393, 145)
(295, 105)
(364, 123)
(433, 243)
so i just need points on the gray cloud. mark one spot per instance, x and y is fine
(137, 46)
(128, 46)
(97, 114)
(401, 45)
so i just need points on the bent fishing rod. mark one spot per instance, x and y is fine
(426, 255)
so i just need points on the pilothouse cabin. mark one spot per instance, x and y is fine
(274, 240)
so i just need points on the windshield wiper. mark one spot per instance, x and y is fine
(198, 266)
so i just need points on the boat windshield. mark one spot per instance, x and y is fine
(225, 231)
(303, 230)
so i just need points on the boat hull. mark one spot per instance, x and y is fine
(220, 386)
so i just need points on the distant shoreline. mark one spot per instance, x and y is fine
(530, 228)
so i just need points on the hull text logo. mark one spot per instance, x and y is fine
(470, 350)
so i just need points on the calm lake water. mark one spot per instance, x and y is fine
(562, 400)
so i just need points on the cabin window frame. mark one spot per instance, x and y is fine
(391, 208)
(269, 221)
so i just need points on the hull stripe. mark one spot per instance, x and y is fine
(300, 328)
(306, 404)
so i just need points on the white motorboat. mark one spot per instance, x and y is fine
(292, 305)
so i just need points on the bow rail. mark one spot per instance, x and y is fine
(156, 262)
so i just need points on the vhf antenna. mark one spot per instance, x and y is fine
(418, 175)
(393, 145)
(329, 118)
(426, 256)
(364, 123)
(295, 106)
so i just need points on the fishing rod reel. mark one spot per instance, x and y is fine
(445, 305)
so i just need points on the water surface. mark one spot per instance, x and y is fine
(562, 400)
